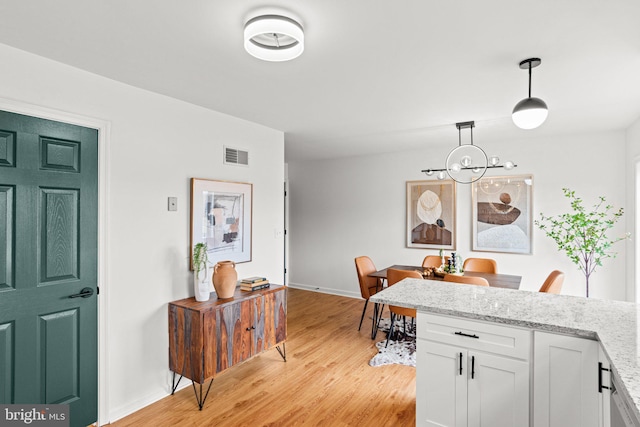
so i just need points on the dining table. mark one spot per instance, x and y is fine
(505, 281)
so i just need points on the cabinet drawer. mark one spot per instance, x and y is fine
(475, 334)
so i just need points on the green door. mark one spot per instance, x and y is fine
(48, 252)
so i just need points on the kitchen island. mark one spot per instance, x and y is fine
(614, 324)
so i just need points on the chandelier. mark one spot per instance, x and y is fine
(468, 163)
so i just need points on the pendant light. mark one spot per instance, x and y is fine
(530, 112)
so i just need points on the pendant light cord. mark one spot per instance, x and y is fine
(529, 79)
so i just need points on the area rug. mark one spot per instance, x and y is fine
(401, 350)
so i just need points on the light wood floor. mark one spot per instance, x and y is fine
(326, 380)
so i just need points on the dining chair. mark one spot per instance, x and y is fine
(433, 261)
(467, 280)
(553, 283)
(368, 285)
(393, 277)
(482, 265)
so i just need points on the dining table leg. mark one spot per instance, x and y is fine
(377, 311)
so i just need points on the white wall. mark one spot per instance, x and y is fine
(344, 208)
(633, 216)
(156, 145)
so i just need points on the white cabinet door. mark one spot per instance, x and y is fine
(565, 387)
(441, 386)
(498, 391)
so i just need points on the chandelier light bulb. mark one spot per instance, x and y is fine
(494, 160)
(441, 175)
(429, 172)
(475, 169)
(465, 161)
(508, 165)
(455, 168)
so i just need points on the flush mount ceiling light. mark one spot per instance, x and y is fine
(530, 112)
(468, 163)
(273, 38)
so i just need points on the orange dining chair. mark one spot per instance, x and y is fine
(433, 261)
(467, 280)
(482, 265)
(393, 277)
(553, 284)
(368, 285)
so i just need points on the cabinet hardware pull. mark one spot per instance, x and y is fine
(248, 329)
(460, 363)
(473, 366)
(466, 335)
(600, 369)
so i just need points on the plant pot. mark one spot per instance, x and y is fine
(201, 285)
(225, 279)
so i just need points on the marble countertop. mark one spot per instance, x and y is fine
(614, 323)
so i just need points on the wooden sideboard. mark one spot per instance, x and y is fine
(206, 338)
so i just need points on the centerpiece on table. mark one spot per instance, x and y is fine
(452, 266)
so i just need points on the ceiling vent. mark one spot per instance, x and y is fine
(234, 156)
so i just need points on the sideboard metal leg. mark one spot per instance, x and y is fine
(199, 397)
(283, 352)
(174, 384)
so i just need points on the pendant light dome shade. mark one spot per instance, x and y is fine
(273, 38)
(530, 112)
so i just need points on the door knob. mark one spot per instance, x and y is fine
(84, 293)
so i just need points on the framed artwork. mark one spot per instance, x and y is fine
(502, 210)
(221, 217)
(431, 214)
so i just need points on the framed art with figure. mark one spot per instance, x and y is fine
(502, 214)
(431, 214)
(221, 214)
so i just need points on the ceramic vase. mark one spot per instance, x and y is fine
(201, 285)
(225, 279)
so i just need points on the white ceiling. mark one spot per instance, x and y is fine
(375, 76)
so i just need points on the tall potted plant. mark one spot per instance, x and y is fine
(582, 234)
(200, 262)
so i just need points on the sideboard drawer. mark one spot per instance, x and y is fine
(475, 334)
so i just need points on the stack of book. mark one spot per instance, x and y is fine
(254, 283)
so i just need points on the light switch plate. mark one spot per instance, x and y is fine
(173, 203)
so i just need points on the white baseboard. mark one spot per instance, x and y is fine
(331, 291)
(131, 407)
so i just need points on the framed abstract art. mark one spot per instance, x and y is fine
(431, 214)
(502, 210)
(221, 217)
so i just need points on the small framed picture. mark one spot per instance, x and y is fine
(502, 210)
(431, 214)
(221, 217)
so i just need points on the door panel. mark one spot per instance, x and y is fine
(59, 356)
(48, 251)
(6, 362)
(59, 235)
(7, 218)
